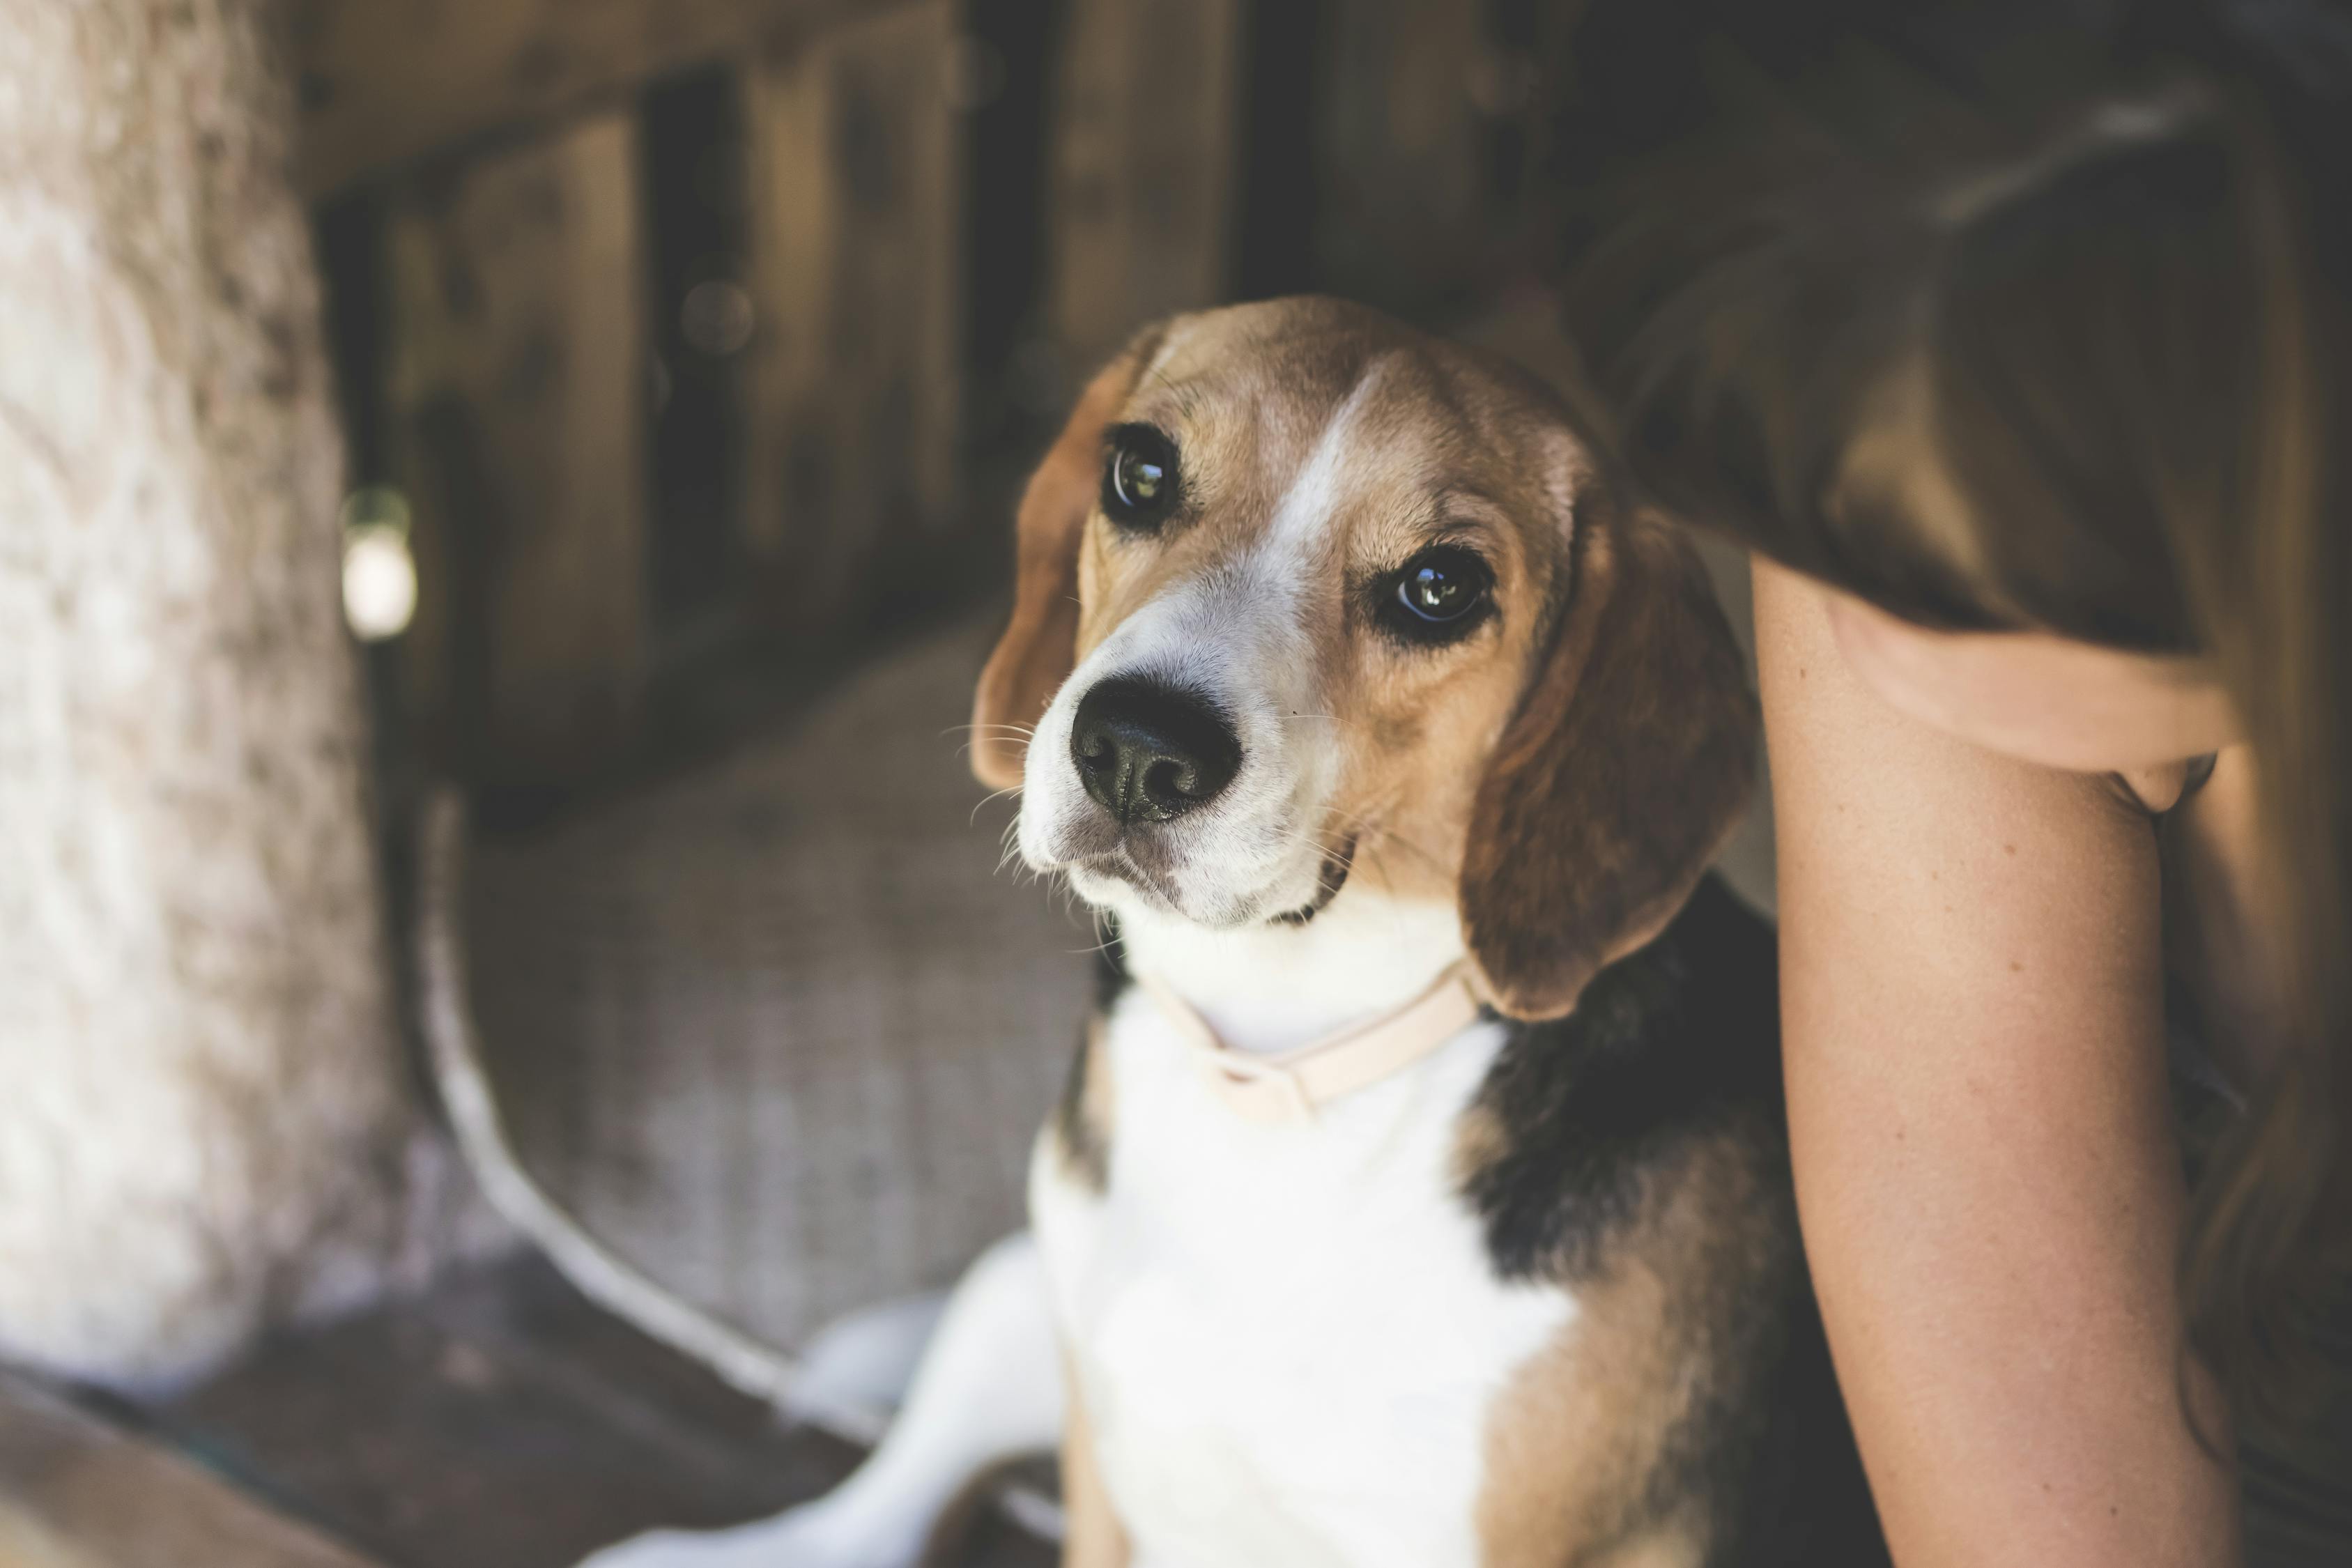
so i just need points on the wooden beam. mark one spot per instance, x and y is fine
(857, 199)
(1407, 215)
(517, 401)
(386, 81)
(1144, 167)
(76, 1493)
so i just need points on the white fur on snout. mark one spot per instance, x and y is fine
(1234, 635)
(1230, 637)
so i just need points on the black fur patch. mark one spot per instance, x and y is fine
(1111, 979)
(1086, 1142)
(1670, 1050)
(1666, 1044)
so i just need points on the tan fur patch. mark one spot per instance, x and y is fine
(1627, 765)
(1081, 1127)
(1587, 1427)
(1092, 1535)
(1479, 1140)
(1034, 656)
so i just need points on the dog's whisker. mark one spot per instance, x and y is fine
(1109, 930)
(1008, 845)
(1380, 839)
(1103, 945)
(1374, 834)
(988, 799)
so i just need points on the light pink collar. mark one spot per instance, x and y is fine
(1289, 1085)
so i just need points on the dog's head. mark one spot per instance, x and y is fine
(1313, 606)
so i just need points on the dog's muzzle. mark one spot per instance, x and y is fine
(1148, 752)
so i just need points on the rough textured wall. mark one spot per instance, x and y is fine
(202, 1117)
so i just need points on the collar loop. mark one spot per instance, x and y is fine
(1289, 1085)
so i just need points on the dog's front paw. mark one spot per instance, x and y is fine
(706, 1549)
(658, 1548)
(812, 1537)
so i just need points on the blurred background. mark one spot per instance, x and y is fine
(698, 342)
(689, 356)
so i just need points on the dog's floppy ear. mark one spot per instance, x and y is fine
(1038, 648)
(1627, 767)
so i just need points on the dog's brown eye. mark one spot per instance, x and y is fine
(1139, 479)
(1438, 595)
(1444, 585)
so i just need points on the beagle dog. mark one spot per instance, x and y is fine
(1420, 1196)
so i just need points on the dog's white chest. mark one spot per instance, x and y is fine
(1287, 1337)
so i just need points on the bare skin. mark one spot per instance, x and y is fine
(1973, 964)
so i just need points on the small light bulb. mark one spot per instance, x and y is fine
(379, 573)
(717, 317)
(379, 586)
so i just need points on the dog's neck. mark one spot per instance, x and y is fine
(1269, 988)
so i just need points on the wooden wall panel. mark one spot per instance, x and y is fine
(383, 81)
(857, 188)
(1145, 166)
(517, 401)
(1406, 211)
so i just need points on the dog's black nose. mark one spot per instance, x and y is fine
(1151, 752)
